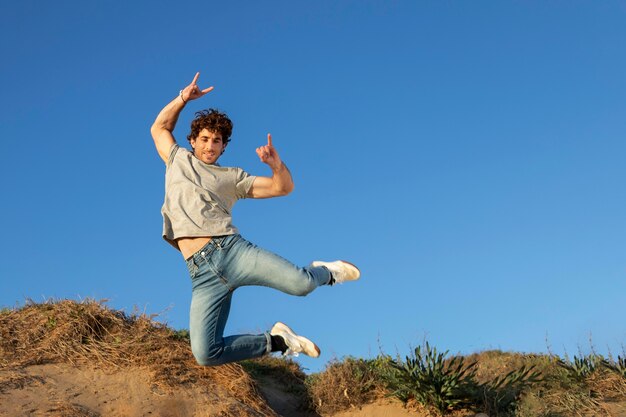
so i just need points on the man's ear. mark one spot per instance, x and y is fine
(224, 148)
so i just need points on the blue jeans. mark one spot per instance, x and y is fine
(224, 264)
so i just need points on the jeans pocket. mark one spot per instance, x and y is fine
(192, 268)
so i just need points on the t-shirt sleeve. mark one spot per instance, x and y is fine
(173, 149)
(243, 183)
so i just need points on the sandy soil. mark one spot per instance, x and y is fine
(62, 390)
(286, 405)
(379, 409)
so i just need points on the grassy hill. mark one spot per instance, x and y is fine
(68, 358)
(45, 347)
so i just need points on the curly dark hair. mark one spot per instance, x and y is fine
(214, 121)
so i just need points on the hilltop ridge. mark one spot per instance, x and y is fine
(82, 359)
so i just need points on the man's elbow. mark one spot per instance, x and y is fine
(154, 131)
(284, 190)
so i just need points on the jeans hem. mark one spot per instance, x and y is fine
(268, 349)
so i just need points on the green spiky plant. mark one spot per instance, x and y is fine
(502, 393)
(581, 367)
(431, 379)
(618, 366)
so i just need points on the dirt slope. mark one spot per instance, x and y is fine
(72, 358)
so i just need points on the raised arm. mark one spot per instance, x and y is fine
(165, 122)
(280, 183)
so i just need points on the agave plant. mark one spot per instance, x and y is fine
(432, 380)
(618, 366)
(581, 367)
(502, 393)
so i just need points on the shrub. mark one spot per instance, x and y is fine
(445, 384)
(429, 378)
(502, 393)
(582, 367)
(565, 389)
(181, 334)
(349, 383)
(618, 366)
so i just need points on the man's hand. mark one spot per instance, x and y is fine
(165, 122)
(268, 155)
(192, 91)
(280, 183)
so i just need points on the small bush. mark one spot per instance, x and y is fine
(582, 367)
(502, 394)
(563, 390)
(444, 384)
(349, 383)
(181, 334)
(429, 378)
(618, 366)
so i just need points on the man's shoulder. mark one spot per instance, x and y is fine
(176, 151)
(180, 150)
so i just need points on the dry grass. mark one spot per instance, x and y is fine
(556, 394)
(88, 333)
(285, 370)
(347, 384)
(608, 385)
(284, 375)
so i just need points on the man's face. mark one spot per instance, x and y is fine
(208, 146)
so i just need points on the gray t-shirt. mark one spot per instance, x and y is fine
(199, 197)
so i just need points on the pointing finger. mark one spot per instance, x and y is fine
(195, 78)
(269, 139)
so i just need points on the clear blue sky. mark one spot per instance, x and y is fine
(467, 156)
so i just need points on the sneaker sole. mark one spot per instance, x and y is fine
(308, 347)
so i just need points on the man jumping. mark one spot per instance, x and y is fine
(197, 220)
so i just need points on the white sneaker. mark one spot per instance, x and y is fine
(341, 271)
(295, 344)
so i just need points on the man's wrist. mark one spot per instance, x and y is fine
(279, 168)
(180, 94)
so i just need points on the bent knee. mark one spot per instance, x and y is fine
(208, 357)
(208, 360)
(304, 289)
